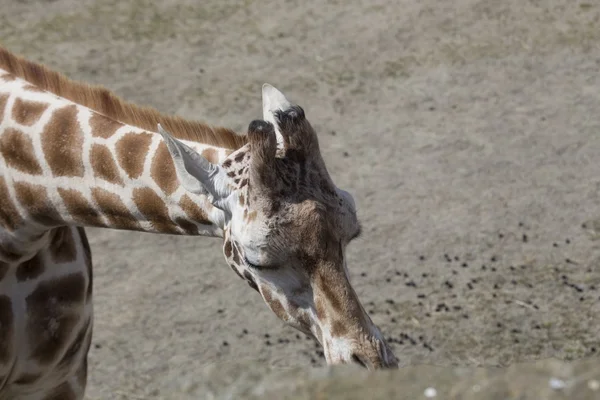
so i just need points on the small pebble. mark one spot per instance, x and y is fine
(557, 384)
(593, 385)
(430, 392)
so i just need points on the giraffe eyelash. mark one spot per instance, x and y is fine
(251, 265)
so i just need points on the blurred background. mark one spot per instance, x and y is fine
(468, 131)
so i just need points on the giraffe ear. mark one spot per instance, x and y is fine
(196, 174)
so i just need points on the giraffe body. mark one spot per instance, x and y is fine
(72, 156)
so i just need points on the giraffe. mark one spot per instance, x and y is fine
(74, 156)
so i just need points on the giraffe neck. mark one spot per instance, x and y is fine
(64, 164)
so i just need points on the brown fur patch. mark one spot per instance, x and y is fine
(236, 255)
(195, 213)
(8, 252)
(3, 270)
(252, 216)
(17, 150)
(27, 112)
(30, 269)
(242, 200)
(132, 150)
(105, 102)
(3, 100)
(80, 210)
(87, 253)
(154, 209)
(211, 155)
(338, 329)
(6, 333)
(163, 170)
(227, 249)
(327, 290)
(115, 211)
(239, 156)
(9, 216)
(274, 304)
(62, 143)
(250, 279)
(188, 227)
(49, 328)
(35, 199)
(104, 165)
(28, 378)
(62, 392)
(75, 348)
(102, 126)
(62, 247)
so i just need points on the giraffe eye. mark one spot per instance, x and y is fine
(252, 265)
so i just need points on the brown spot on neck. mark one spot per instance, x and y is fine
(34, 198)
(9, 216)
(163, 170)
(193, 211)
(62, 143)
(115, 210)
(104, 164)
(102, 126)
(3, 100)
(28, 112)
(17, 150)
(154, 209)
(188, 227)
(132, 150)
(80, 210)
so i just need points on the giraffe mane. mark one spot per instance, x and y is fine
(105, 102)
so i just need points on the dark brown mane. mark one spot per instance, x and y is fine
(105, 102)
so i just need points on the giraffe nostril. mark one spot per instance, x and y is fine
(356, 359)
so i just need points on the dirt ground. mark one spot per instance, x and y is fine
(468, 132)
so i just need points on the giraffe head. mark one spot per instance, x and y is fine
(286, 228)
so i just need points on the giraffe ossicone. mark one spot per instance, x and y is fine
(74, 156)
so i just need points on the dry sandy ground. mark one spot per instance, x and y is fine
(468, 131)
